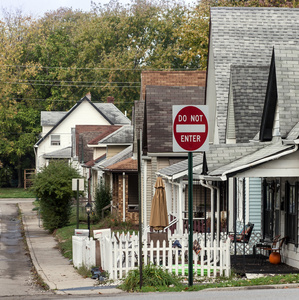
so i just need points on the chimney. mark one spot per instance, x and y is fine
(88, 95)
(110, 99)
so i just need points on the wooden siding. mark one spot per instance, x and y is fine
(113, 150)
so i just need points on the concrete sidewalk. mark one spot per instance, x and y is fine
(55, 270)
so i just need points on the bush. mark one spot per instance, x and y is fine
(103, 197)
(152, 276)
(53, 186)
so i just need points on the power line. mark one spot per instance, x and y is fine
(71, 68)
(72, 85)
(107, 69)
(73, 81)
(60, 100)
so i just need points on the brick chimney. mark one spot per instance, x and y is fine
(88, 95)
(110, 99)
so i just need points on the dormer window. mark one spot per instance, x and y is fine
(55, 140)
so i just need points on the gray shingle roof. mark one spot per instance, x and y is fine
(287, 75)
(123, 135)
(217, 156)
(126, 153)
(249, 84)
(113, 113)
(294, 133)
(246, 36)
(265, 152)
(225, 159)
(50, 118)
(62, 153)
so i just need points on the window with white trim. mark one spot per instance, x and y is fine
(55, 140)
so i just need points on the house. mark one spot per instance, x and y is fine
(118, 168)
(260, 186)
(58, 129)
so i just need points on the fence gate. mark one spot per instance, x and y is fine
(28, 177)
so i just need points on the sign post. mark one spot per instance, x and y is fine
(77, 185)
(190, 133)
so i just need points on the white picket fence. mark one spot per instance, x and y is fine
(84, 251)
(120, 254)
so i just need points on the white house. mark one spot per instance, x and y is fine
(58, 129)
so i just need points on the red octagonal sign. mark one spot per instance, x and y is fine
(190, 128)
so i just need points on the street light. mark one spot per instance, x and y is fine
(88, 211)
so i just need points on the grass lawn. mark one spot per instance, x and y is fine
(15, 193)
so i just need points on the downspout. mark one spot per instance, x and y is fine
(179, 207)
(124, 196)
(212, 188)
(144, 202)
(207, 185)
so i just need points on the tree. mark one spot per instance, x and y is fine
(53, 187)
(103, 197)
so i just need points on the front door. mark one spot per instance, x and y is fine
(268, 216)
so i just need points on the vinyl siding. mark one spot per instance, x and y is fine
(255, 202)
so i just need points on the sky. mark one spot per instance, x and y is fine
(37, 8)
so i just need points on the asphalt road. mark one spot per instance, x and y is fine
(16, 278)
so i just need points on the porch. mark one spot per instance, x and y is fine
(242, 264)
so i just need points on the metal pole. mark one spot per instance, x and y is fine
(77, 203)
(190, 217)
(140, 213)
(88, 222)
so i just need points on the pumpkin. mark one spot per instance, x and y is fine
(274, 258)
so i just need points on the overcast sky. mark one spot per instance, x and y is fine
(37, 8)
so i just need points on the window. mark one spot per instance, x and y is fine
(291, 213)
(55, 140)
(133, 192)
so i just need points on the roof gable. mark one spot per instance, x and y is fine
(270, 105)
(248, 86)
(287, 76)
(245, 36)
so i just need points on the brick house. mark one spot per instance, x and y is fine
(153, 115)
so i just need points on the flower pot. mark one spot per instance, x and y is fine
(274, 258)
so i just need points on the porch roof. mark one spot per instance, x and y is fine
(225, 160)
(126, 153)
(217, 156)
(61, 153)
(273, 151)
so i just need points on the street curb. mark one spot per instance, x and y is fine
(256, 287)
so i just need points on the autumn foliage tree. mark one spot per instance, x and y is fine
(51, 62)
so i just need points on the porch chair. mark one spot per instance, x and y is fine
(276, 246)
(244, 235)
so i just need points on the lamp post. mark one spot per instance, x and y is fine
(88, 211)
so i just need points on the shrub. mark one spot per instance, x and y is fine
(103, 197)
(53, 186)
(152, 276)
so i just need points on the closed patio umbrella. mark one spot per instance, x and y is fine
(159, 216)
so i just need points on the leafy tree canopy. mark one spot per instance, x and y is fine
(51, 62)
